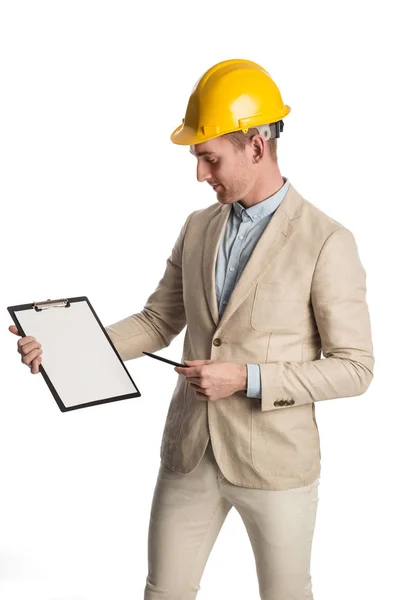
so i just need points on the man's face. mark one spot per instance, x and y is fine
(220, 162)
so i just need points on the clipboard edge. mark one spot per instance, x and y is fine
(57, 398)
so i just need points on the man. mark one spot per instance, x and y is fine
(265, 282)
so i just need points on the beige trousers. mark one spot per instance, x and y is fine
(187, 513)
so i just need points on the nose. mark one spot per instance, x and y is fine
(203, 173)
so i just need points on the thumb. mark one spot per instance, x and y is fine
(13, 329)
(197, 362)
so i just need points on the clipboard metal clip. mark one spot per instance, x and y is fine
(51, 304)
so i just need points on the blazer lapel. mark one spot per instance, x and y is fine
(274, 238)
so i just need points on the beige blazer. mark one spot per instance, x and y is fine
(302, 293)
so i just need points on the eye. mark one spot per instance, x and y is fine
(211, 161)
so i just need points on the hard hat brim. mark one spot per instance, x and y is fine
(187, 136)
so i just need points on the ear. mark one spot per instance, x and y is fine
(258, 148)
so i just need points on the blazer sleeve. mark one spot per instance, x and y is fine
(338, 295)
(163, 316)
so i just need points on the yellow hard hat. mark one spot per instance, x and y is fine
(232, 95)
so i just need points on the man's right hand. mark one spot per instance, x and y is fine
(30, 350)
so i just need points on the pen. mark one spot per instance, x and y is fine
(171, 362)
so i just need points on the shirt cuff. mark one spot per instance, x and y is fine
(253, 381)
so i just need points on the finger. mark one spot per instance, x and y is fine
(26, 340)
(188, 371)
(27, 359)
(35, 365)
(27, 346)
(196, 386)
(14, 329)
(196, 380)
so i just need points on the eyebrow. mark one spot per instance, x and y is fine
(201, 153)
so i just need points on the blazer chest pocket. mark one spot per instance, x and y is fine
(278, 307)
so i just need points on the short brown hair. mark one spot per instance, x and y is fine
(240, 141)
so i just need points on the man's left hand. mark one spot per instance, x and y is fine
(214, 379)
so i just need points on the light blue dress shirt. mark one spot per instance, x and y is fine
(243, 230)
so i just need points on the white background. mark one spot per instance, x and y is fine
(93, 195)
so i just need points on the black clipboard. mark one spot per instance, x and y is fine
(97, 367)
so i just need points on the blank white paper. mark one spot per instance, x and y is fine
(77, 356)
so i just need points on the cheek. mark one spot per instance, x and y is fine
(229, 178)
(238, 180)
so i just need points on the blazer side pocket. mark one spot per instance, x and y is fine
(174, 418)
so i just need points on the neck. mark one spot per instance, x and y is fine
(271, 182)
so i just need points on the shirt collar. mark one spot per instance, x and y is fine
(265, 207)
